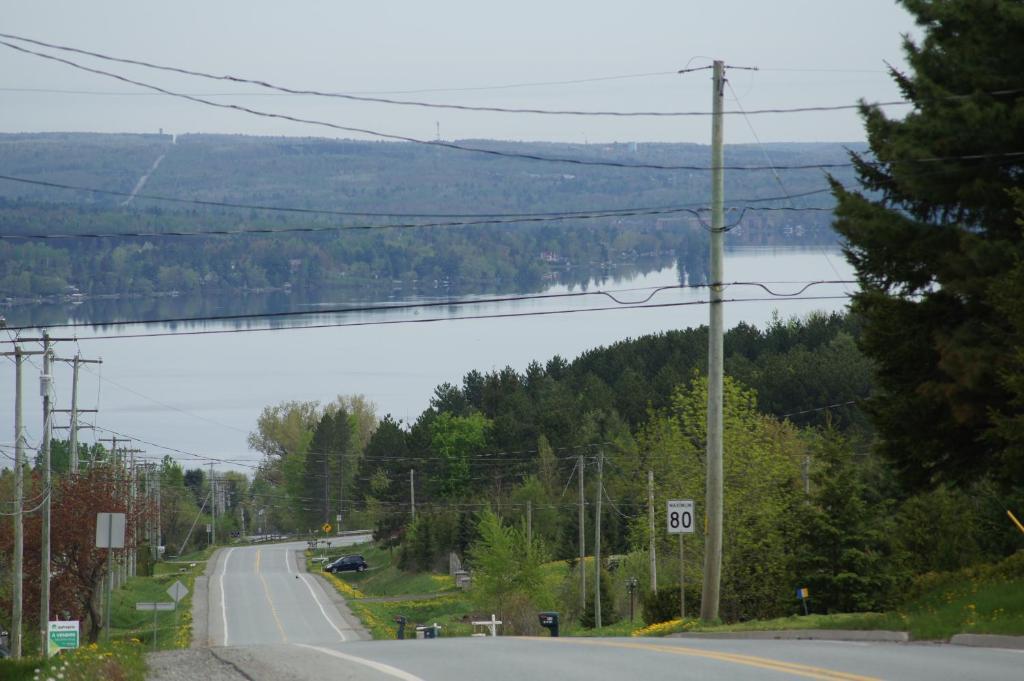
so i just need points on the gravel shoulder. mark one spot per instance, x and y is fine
(191, 664)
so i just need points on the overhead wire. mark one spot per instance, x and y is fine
(432, 105)
(775, 174)
(611, 294)
(415, 140)
(486, 219)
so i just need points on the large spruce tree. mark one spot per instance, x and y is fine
(933, 236)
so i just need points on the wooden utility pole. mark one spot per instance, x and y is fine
(582, 539)
(529, 521)
(713, 540)
(19, 504)
(213, 507)
(597, 541)
(650, 529)
(412, 493)
(75, 363)
(45, 387)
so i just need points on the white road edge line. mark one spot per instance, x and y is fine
(312, 593)
(223, 598)
(379, 666)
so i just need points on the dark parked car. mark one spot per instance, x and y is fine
(346, 564)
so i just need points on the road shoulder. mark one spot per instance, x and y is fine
(202, 605)
(989, 641)
(805, 635)
(336, 599)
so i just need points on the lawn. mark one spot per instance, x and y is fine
(383, 578)
(984, 599)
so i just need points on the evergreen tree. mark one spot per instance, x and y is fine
(933, 236)
(848, 558)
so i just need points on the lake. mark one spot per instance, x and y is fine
(202, 393)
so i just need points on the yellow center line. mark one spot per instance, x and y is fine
(735, 658)
(270, 602)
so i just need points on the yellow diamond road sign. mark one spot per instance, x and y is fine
(326, 527)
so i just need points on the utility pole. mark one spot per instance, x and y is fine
(19, 504)
(582, 540)
(76, 361)
(650, 529)
(327, 488)
(341, 489)
(213, 506)
(597, 540)
(529, 521)
(713, 540)
(74, 417)
(412, 493)
(45, 385)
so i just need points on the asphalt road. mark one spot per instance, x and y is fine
(262, 595)
(269, 621)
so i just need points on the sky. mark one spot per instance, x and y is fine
(809, 53)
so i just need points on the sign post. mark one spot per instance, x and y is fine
(679, 520)
(155, 607)
(62, 635)
(177, 591)
(803, 593)
(109, 536)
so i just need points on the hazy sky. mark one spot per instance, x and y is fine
(811, 52)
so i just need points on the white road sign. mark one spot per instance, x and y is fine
(110, 530)
(177, 591)
(679, 517)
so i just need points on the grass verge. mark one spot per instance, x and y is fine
(116, 661)
(383, 578)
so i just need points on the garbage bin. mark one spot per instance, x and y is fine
(400, 621)
(549, 620)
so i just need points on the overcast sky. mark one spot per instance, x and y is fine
(810, 52)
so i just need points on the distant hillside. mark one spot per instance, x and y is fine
(380, 177)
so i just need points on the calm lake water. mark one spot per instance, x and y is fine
(202, 393)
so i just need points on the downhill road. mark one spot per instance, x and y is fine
(270, 621)
(262, 595)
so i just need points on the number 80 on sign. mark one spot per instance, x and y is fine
(679, 516)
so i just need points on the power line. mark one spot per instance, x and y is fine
(611, 294)
(504, 315)
(487, 218)
(405, 138)
(431, 105)
(321, 211)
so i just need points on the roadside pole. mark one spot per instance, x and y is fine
(597, 541)
(412, 493)
(45, 384)
(679, 520)
(713, 539)
(582, 539)
(650, 524)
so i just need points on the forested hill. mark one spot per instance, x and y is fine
(384, 178)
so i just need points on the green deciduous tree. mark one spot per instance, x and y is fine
(508, 575)
(455, 440)
(760, 485)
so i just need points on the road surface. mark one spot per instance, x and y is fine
(262, 595)
(269, 621)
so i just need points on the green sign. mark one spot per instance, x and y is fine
(63, 636)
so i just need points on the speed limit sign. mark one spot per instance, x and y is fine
(679, 517)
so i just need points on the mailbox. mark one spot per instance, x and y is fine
(428, 630)
(400, 621)
(549, 620)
